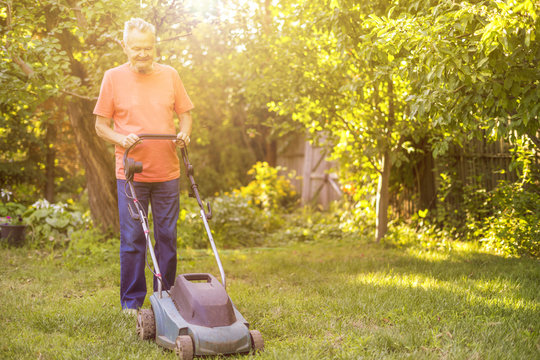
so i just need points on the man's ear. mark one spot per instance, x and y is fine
(123, 45)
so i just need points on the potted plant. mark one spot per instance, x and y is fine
(13, 230)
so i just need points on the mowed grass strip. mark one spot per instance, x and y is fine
(331, 300)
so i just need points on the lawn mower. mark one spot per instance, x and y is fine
(196, 316)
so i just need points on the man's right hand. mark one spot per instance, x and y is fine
(129, 140)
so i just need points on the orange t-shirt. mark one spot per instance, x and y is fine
(144, 104)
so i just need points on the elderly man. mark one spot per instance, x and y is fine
(140, 97)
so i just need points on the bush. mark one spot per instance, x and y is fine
(11, 209)
(51, 225)
(269, 190)
(260, 213)
(244, 216)
(307, 224)
(90, 243)
(514, 228)
(235, 222)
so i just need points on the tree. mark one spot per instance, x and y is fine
(31, 121)
(383, 79)
(352, 89)
(53, 47)
(475, 70)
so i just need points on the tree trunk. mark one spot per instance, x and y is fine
(383, 197)
(271, 152)
(98, 163)
(426, 178)
(50, 159)
(383, 191)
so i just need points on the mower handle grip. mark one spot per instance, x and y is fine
(197, 277)
(157, 136)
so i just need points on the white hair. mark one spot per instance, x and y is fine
(138, 24)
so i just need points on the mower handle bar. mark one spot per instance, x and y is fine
(189, 170)
(187, 164)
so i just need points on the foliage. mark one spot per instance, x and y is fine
(11, 209)
(407, 73)
(238, 223)
(307, 225)
(504, 218)
(57, 51)
(513, 228)
(424, 236)
(53, 224)
(86, 243)
(33, 76)
(226, 55)
(240, 216)
(17, 220)
(476, 72)
(460, 208)
(269, 190)
(371, 81)
(235, 223)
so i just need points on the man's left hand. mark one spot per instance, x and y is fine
(182, 139)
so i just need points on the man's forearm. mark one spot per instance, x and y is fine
(104, 131)
(185, 123)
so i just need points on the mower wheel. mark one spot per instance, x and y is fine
(184, 347)
(257, 342)
(146, 324)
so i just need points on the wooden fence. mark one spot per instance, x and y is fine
(480, 165)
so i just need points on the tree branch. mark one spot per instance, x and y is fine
(67, 92)
(27, 69)
(175, 37)
(351, 130)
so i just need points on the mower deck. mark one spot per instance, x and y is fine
(234, 338)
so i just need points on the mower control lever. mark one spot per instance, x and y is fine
(209, 213)
(133, 214)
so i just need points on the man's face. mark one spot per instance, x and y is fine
(140, 50)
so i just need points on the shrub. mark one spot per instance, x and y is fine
(52, 224)
(244, 216)
(514, 228)
(235, 222)
(11, 209)
(269, 190)
(307, 224)
(90, 243)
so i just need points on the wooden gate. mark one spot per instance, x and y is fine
(317, 183)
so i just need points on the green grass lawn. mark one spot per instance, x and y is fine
(332, 300)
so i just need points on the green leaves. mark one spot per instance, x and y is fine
(53, 222)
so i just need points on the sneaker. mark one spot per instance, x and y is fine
(130, 312)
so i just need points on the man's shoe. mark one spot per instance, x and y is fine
(130, 312)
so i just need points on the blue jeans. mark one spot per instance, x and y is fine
(164, 200)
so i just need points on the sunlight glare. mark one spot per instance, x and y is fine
(211, 10)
